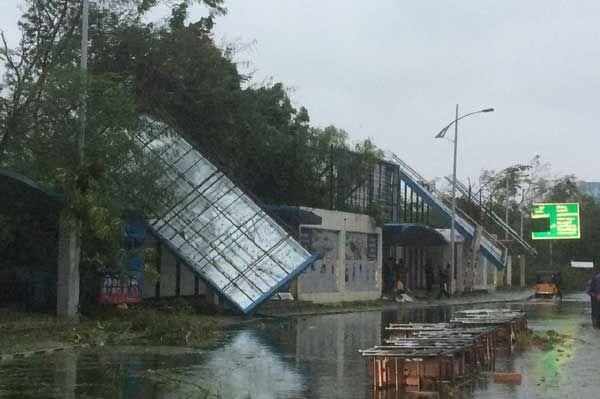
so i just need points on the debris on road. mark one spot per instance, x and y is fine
(507, 378)
(426, 355)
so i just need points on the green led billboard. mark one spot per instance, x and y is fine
(555, 221)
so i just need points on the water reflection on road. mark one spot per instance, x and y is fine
(305, 357)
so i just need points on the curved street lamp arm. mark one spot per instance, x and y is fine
(442, 132)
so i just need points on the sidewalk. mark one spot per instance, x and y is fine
(296, 308)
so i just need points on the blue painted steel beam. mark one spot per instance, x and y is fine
(431, 201)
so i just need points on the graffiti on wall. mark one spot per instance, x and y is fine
(115, 290)
(361, 261)
(320, 276)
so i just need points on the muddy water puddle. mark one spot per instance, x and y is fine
(305, 357)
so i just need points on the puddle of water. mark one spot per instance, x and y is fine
(304, 357)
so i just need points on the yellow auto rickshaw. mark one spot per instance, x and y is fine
(547, 284)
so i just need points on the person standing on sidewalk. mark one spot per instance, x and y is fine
(401, 275)
(389, 276)
(594, 293)
(444, 276)
(556, 279)
(429, 275)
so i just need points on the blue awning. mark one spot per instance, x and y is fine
(412, 235)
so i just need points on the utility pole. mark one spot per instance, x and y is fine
(69, 238)
(84, 63)
(331, 177)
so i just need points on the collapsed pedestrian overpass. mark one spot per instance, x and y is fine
(221, 233)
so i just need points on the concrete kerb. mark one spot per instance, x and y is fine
(522, 296)
(519, 296)
(48, 351)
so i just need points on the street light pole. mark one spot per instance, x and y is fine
(521, 211)
(441, 134)
(506, 205)
(452, 222)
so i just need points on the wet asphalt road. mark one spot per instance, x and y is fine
(305, 357)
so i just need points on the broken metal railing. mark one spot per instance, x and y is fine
(464, 191)
(497, 251)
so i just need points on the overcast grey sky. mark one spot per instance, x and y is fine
(393, 70)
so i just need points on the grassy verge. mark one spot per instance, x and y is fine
(20, 331)
(176, 323)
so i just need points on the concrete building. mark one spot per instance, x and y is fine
(351, 258)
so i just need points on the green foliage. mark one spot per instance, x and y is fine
(40, 124)
(512, 177)
(529, 183)
(519, 182)
(181, 324)
(374, 210)
(518, 186)
(565, 189)
(181, 77)
(140, 73)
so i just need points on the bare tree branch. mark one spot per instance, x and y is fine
(9, 58)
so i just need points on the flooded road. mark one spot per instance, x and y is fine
(305, 357)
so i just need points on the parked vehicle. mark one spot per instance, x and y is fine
(548, 285)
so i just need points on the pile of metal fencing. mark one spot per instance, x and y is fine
(508, 323)
(424, 355)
